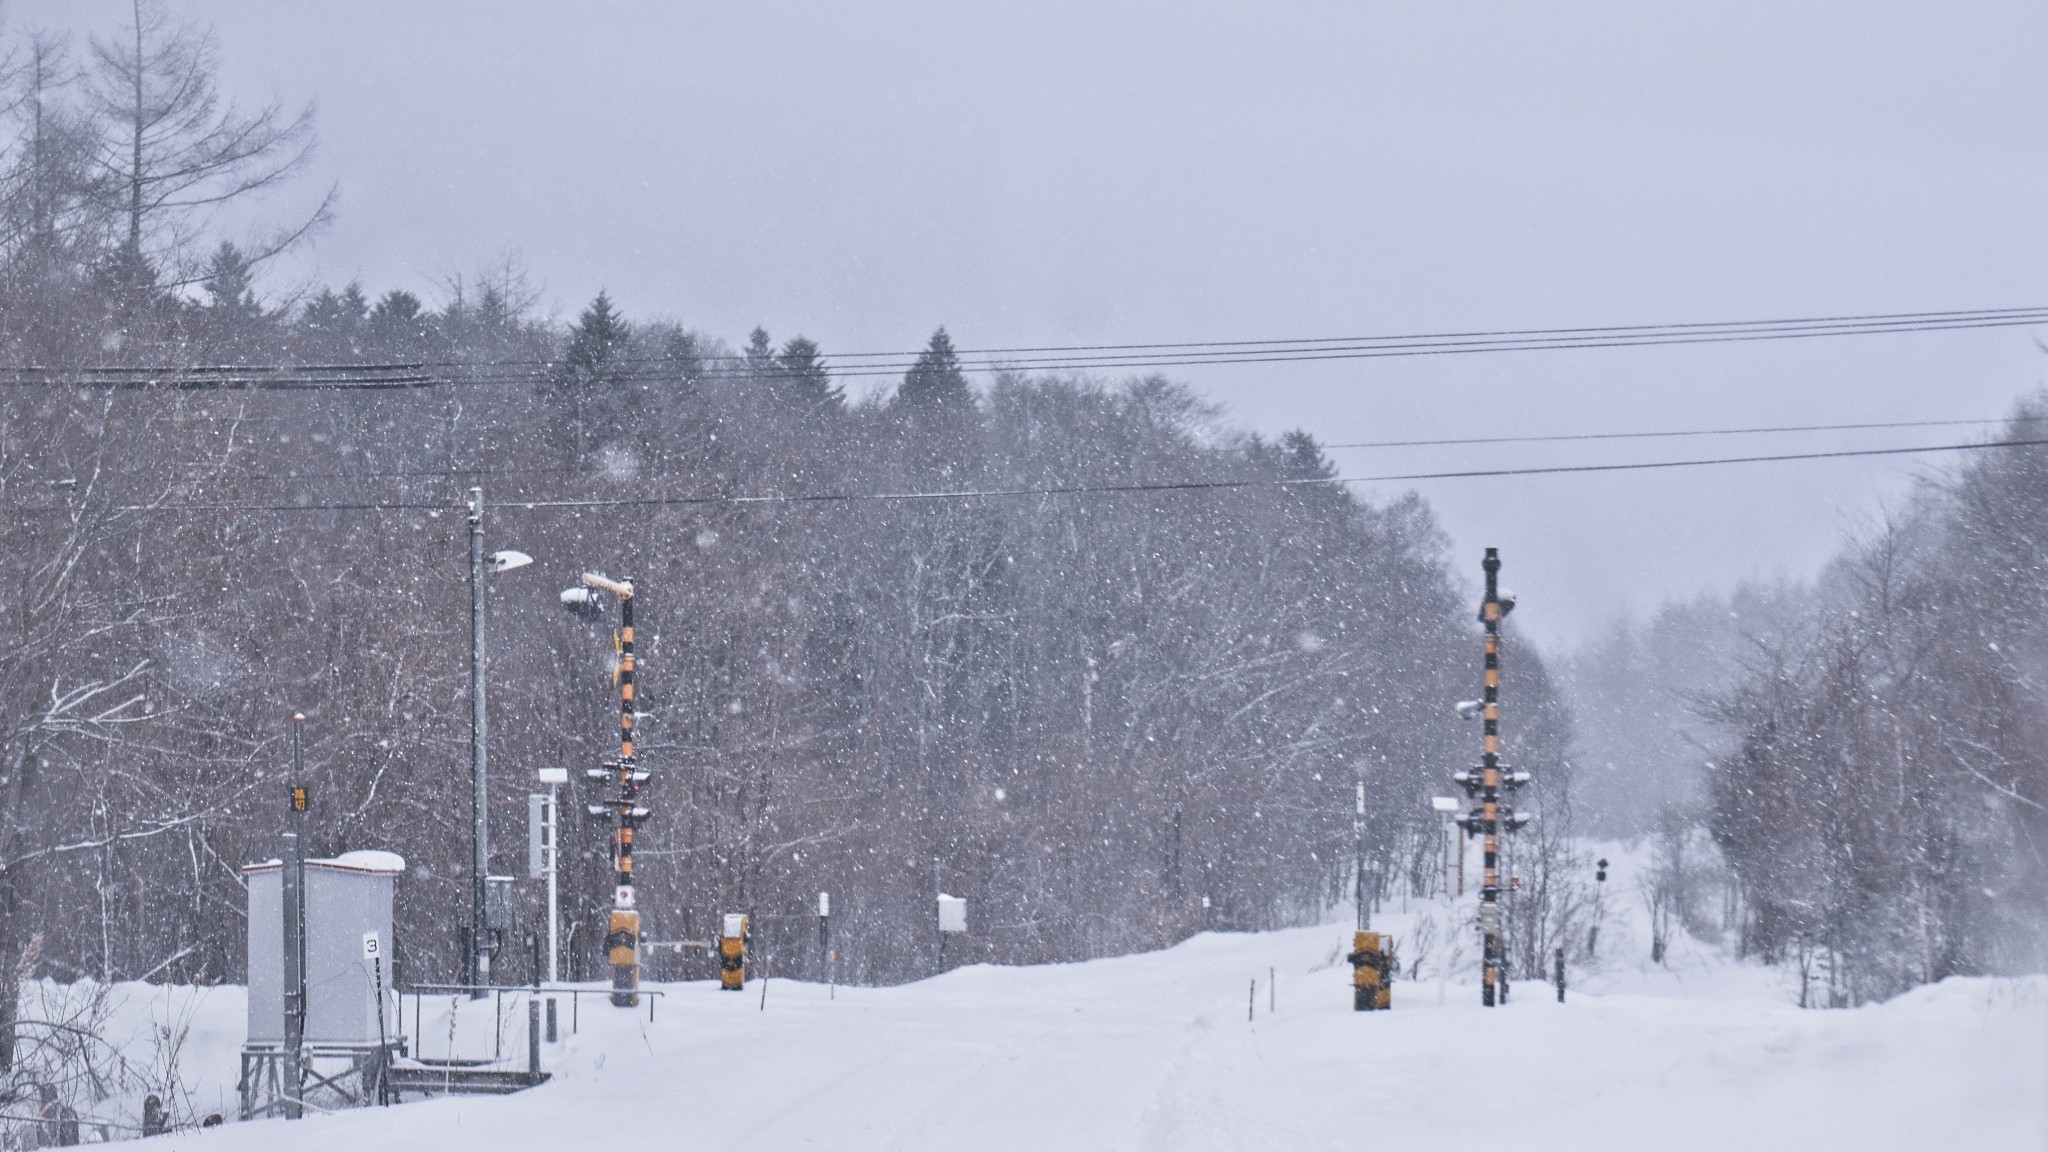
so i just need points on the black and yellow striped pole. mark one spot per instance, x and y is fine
(622, 940)
(1491, 817)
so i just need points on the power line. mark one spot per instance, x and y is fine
(527, 505)
(1081, 356)
(1577, 436)
(1651, 464)
(1368, 349)
(1866, 318)
(461, 470)
(1430, 346)
(231, 377)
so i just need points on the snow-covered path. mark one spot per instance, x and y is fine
(1154, 1051)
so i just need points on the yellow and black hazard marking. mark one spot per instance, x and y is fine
(1372, 971)
(732, 953)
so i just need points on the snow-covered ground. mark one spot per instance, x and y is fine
(1156, 1051)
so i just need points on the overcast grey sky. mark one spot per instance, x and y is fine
(1054, 173)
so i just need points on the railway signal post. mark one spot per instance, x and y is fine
(622, 939)
(1486, 787)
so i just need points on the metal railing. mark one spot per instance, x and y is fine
(498, 992)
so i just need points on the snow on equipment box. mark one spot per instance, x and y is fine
(348, 902)
(952, 913)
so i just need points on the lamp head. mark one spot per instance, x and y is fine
(583, 603)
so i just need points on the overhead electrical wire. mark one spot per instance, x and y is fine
(1364, 348)
(465, 471)
(228, 377)
(1082, 356)
(524, 504)
(1865, 318)
(1681, 432)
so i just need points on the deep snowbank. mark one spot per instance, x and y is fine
(1155, 1051)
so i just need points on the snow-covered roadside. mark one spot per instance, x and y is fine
(1155, 1051)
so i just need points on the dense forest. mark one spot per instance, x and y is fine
(1109, 666)
(1855, 764)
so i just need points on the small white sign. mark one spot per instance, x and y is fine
(372, 947)
(824, 903)
(952, 913)
(735, 925)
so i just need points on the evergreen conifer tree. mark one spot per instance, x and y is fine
(760, 354)
(228, 285)
(398, 322)
(802, 380)
(935, 380)
(334, 320)
(597, 346)
(682, 358)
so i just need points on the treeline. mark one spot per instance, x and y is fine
(1883, 807)
(932, 625)
(1867, 752)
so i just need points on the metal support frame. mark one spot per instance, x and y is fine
(277, 1082)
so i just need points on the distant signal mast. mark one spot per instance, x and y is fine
(1486, 785)
(622, 940)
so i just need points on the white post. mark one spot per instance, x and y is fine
(551, 864)
(554, 813)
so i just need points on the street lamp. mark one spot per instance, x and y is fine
(477, 958)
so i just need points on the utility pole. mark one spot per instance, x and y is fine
(478, 962)
(292, 886)
(1358, 857)
(1487, 785)
(476, 959)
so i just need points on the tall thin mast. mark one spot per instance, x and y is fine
(1487, 785)
(622, 942)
